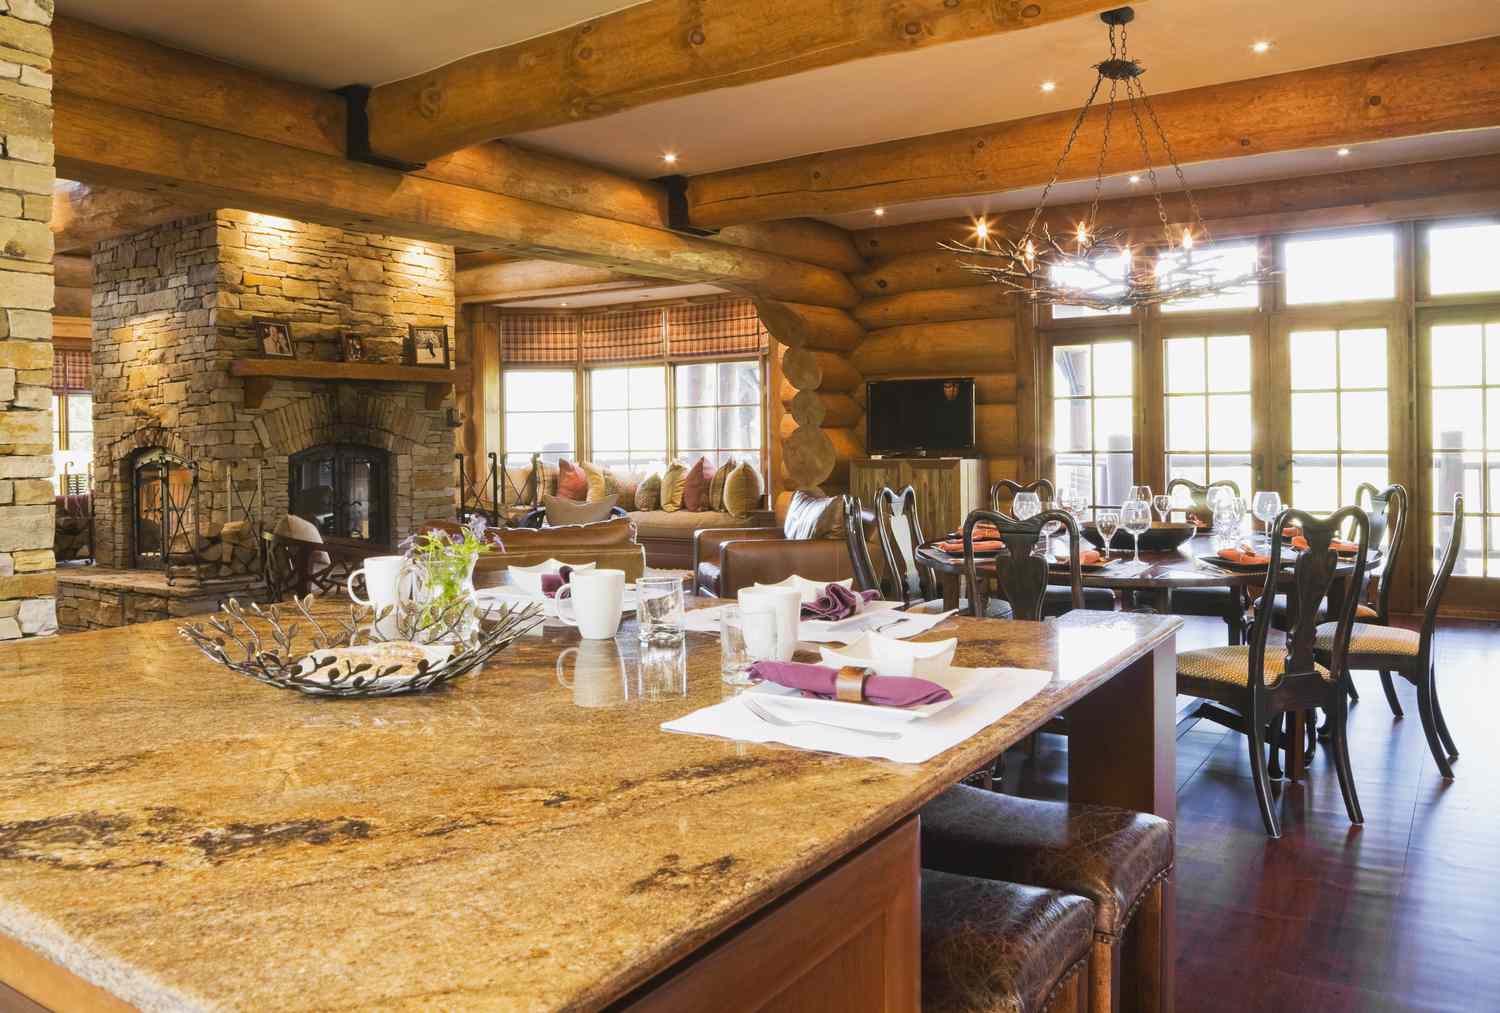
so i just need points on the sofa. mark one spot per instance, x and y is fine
(609, 544)
(810, 542)
(668, 537)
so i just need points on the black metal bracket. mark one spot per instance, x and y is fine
(677, 207)
(357, 131)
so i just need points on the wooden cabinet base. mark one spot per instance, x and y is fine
(847, 942)
(30, 982)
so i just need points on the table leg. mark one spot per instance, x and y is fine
(1297, 729)
(1122, 751)
(950, 582)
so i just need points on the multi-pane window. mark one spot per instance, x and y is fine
(1093, 420)
(1461, 259)
(1219, 263)
(1350, 267)
(538, 415)
(1465, 376)
(1102, 276)
(1209, 433)
(1340, 435)
(72, 438)
(628, 417)
(718, 410)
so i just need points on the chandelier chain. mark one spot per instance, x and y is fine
(1067, 148)
(1172, 156)
(1140, 131)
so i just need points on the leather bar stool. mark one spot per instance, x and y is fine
(1116, 858)
(992, 947)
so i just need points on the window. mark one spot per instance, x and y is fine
(1340, 434)
(1344, 268)
(1460, 259)
(1103, 276)
(718, 410)
(1218, 263)
(1209, 433)
(538, 415)
(1093, 420)
(72, 438)
(1465, 377)
(628, 417)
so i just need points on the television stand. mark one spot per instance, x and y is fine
(947, 487)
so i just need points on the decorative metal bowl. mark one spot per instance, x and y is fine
(269, 646)
(1162, 537)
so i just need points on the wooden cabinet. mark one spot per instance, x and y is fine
(947, 487)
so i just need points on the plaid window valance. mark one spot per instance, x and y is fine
(722, 327)
(538, 338)
(70, 371)
(622, 335)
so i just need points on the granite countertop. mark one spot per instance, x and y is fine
(187, 838)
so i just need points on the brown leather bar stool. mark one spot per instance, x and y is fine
(1118, 859)
(993, 947)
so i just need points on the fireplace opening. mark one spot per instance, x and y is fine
(343, 489)
(163, 501)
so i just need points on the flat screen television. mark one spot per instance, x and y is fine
(906, 416)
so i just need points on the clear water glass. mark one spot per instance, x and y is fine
(1108, 523)
(1025, 505)
(1139, 492)
(735, 653)
(1163, 505)
(1135, 517)
(1267, 506)
(660, 611)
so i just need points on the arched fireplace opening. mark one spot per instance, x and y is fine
(343, 489)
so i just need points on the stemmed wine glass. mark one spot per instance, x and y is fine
(1108, 522)
(1163, 505)
(1025, 505)
(1267, 507)
(1135, 517)
(1139, 492)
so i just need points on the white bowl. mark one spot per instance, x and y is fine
(886, 656)
(529, 578)
(811, 590)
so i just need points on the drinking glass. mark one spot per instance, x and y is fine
(1163, 505)
(659, 611)
(1026, 504)
(738, 630)
(1267, 505)
(1140, 492)
(1108, 523)
(1135, 517)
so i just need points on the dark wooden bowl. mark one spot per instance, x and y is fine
(1163, 537)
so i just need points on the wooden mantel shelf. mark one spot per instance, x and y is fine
(259, 373)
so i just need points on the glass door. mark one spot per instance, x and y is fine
(1208, 430)
(1339, 408)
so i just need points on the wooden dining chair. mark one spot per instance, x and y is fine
(1022, 572)
(1059, 600)
(1409, 653)
(913, 582)
(1003, 492)
(1387, 510)
(1226, 603)
(1198, 503)
(856, 534)
(1248, 688)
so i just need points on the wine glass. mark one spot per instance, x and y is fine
(1267, 505)
(1108, 523)
(1026, 505)
(1163, 505)
(1139, 492)
(1135, 517)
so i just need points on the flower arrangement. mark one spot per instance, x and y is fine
(445, 561)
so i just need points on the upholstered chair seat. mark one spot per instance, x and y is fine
(1231, 665)
(1115, 857)
(994, 947)
(1369, 638)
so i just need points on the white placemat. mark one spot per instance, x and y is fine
(821, 631)
(920, 740)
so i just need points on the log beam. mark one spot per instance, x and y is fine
(937, 305)
(659, 50)
(948, 348)
(820, 328)
(82, 215)
(1400, 95)
(527, 278)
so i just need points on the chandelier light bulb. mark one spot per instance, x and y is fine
(1187, 239)
(982, 229)
(670, 157)
(1083, 235)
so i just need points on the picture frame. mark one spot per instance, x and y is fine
(353, 347)
(427, 345)
(275, 337)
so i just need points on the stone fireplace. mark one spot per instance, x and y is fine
(173, 307)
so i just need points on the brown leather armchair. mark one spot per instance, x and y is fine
(810, 542)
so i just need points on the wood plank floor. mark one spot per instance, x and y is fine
(1402, 913)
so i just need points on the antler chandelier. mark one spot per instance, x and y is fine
(1075, 268)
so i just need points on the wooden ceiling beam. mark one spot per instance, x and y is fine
(82, 214)
(1401, 95)
(509, 280)
(665, 49)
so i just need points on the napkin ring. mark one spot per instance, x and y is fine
(849, 684)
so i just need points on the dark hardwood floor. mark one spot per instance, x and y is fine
(1402, 913)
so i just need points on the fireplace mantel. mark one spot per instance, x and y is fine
(258, 375)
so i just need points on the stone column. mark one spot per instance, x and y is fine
(27, 581)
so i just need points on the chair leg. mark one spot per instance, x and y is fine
(1105, 970)
(1262, 783)
(1143, 962)
(1339, 740)
(1273, 739)
(1353, 690)
(1310, 720)
(1428, 712)
(1442, 722)
(1390, 693)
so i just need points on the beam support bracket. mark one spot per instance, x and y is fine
(678, 219)
(357, 132)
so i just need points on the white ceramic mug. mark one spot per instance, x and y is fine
(597, 598)
(785, 603)
(598, 678)
(382, 582)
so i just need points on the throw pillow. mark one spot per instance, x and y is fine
(304, 530)
(572, 481)
(601, 482)
(716, 487)
(672, 481)
(742, 490)
(562, 511)
(628, 484)
(648, 493)
(695, 486)
(811, 515)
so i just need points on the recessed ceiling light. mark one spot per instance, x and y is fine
(1261, 46)
(1049, 86)
(670, 158)
(880, 212)
(1343, 152)
(562, 304)
(1135, 179)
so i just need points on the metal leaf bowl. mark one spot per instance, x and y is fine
(278, 646)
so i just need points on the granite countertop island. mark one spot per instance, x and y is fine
(185, 838)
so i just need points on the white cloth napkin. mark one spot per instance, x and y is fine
(811, 590)
(821, 631)
(921, 739)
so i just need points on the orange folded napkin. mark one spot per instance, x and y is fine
(991, 545)
(1236, 554)
(1088, 557)
(985, 531)
(1337, 545)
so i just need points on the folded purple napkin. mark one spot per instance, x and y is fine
(836, 602)
(553, 582)
(881, 690)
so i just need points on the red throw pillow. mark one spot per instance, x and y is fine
(695, 487)
(572, 481)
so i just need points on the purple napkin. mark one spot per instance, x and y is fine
(553, 582)
(881, 690)
(836, 602)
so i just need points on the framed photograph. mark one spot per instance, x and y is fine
(275, 338)
(428, 346)
(353, 346)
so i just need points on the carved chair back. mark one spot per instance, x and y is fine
(900, 534)
(1022, 572)
(856, 520)
(1440, 579)
(1198, 503)
(1003, 492)
(1387, 513)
